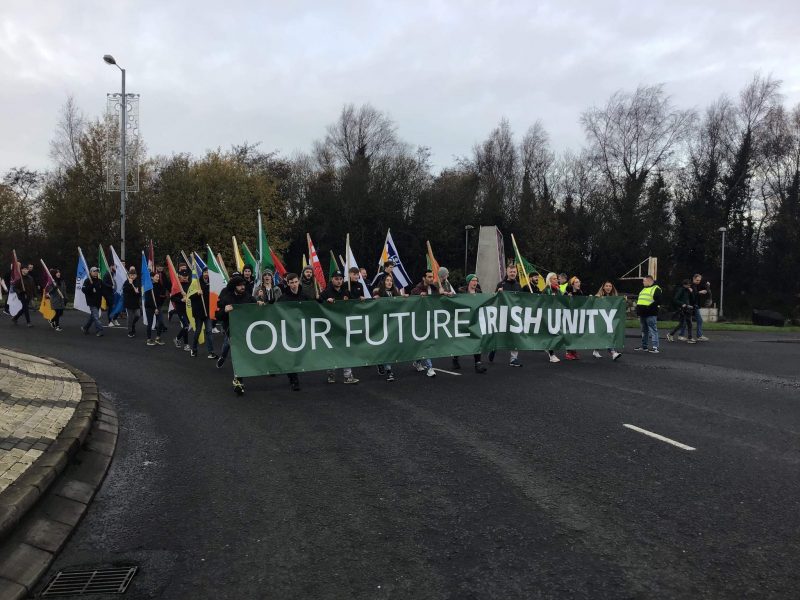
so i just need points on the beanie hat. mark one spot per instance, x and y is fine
(470, 277)
(443, 273)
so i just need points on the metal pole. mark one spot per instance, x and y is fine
(123, 184)
(466, 250)
(722, 276)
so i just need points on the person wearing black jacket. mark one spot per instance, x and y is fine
(473, 287)
(93, 290)
(249, 280)
(647, 308)
(510, 283)
(684, 301)
(26, 291)
(161, 294)
(132, 302)
(267, 292)
(336, 291)
(426, 287)
(573, 289)
(58, 298)
(235, 293)
(293, 293)
(201, 312)
(152, 315)
(108, 294)
(179, 303)
(355, 290)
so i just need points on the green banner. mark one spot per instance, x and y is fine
(309, 336)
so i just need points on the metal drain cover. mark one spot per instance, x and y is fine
(111, 580)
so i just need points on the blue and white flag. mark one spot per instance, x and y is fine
(82, 272)
(146, 283)
(401, 277)
(119, 277)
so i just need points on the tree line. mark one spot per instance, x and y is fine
(652, 179)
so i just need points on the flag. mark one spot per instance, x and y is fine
(146, 285)
(525, 268)
(319, 275)
(280, 270)
(119, 280)
(175, 284)
(44, 307)
(48, 278)
(250, 260)
(238, 263)
(334, 266)
(432, 264)
(264, 251)
(351, 262)
(194, 288)
(14, 303)
(216, 282)
(102, 264)
(222, 266)
(82, 272)
(305, 262)
(401, 277)
(151, 257)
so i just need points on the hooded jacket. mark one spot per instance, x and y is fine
(229, 296)
(93, 290)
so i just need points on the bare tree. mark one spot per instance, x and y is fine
(537, 161)
(65, 146)
(359, 133)
(496, 162)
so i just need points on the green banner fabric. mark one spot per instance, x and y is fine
(309, 336)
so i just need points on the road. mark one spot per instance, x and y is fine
(520, 483)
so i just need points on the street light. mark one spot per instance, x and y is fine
(123, 178)
(467, 229)
(722, 230)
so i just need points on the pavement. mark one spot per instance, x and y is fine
(520, 483)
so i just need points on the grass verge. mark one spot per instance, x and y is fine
(634, 323)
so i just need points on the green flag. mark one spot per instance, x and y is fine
(264, 255)
(334, 266)
(249, 259)
(102, 263)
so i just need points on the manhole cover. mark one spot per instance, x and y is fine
(112, 580)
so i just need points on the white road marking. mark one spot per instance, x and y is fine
(658, 437)
(448, 372)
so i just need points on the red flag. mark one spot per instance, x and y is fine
(279, 268)
(313, 260)
(16, 273)
(173, 277)
(47, 278)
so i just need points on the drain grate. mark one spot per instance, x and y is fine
(112, 580)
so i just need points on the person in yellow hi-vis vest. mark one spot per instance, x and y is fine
(563, 282)
(647, 308)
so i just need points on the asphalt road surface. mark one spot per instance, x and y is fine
(520, 483)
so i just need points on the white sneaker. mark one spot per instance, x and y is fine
(596, 354)
(681, 338)
(615, 355)
(187, 348)
(554, 358)
(431, 372)
(111, 324)
(702, 338)
(215, 330)
(419, 367)
(116, 323)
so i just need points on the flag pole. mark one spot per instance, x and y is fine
(222, 265)
(46, 270)
(521, 264)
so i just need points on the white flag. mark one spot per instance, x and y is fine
(351, 262)
(82, 272)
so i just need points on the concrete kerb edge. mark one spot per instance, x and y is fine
(36, 480)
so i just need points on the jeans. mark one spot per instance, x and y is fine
(698, 319)
(685, 318)
(94, 317)
(57, 318)
(133, 318)
(150, 316)
(226, 346)
(426, 362)
(209, 341)
(183, 334)
(649, 330)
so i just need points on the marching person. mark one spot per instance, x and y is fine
(308, 284)
(202, 318)
(293, 293)
(234, 294)
(152, 313)
(58, 298)
(510, 283)
(683, 300)
(607, 290)
(354, 290)
(249, 280)
(426, 287)
(473, 287)
(161, 293)
(386, 289)
(573, 289)
(336, 291)
(93, 290)
(388, 269)
(267, 292)
(25, 288)
(552, 288)
(647, 308)
(445, 288)
(702, 297)
(179, 304)
(131, 301)
(562, 282)
(108, 294)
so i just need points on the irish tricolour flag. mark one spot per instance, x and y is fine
(216, 282)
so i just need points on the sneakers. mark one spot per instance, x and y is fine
(690, 341)
(514, 362)
(193, 353)
(294, 384)
(389, 375)
(331, 378)
(159, 342)
(58, 328)
(212, 356)
(640, 349)
(681, 338)
(479, 368)
(418, 366)
(615, 355)
(381, 370)
(430, 372)
(351, 379)
(131, 335)
(670, 338)
(596, 354)
(238, 388)
(52, 324)
(491, 356)
(215, 330)
(83, 329)
(554, 359)
(177, 342)
(116, 323)
(702, 338)
(98, 334)
(30, 324)
(654, 351)
(111, 324)
(220, 362)
(151, 343)
(187, 348)
(456, 364)
(570, 355)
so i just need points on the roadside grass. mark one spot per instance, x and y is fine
(634, 323)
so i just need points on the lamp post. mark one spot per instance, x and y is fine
(722, 230)
(123, 176)
(467, 229)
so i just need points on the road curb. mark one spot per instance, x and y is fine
(39, 511)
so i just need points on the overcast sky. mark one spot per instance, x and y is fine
(212, 74)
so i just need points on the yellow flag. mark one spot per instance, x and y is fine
(45, 308)
(237, 257)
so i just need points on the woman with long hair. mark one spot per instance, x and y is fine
(386, 289)
(607, 290)
(58, 298)
(552, 288)
(573, 289)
